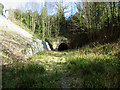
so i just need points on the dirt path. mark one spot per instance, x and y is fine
(58, 60)
(64, 82)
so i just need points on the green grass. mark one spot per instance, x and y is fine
(95, 68)
(94, 72)
(29, 76)
(88, 67)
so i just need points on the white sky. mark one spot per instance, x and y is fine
(13, 4)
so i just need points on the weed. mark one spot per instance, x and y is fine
(86, 68)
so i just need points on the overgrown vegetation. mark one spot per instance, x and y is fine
(29, 75)
(93, 34)
(93, 22)
(94, 73)
(86, 68)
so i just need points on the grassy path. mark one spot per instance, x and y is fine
(85, 68)
(64, 82)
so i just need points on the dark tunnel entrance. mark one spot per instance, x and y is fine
(63, 47)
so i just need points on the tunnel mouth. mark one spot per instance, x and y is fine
(63, 47)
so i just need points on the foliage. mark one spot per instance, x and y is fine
(94, 22)
(85, 68)
(29, 76)
(94, 65)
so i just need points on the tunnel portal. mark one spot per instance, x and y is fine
(62, 47)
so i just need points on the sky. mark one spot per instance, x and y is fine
(15, 3)
(25, 5)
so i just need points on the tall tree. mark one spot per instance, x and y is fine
(61, 18)
(43, 22)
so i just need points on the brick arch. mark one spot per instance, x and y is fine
(56, 44)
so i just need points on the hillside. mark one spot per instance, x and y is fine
(17, 43)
